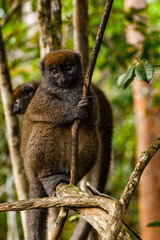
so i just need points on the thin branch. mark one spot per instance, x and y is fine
(156, 65)
(62, 216)
(115, 219)
(87, 81)
(95, 51)
(74, 146)
(136, 175)
(15, 6)
(86, 85)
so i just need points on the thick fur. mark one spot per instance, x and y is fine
(98, 176)
(46, 132)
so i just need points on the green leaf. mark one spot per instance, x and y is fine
(144, 71)
(125, 79)
(120, 80)
(154, 224)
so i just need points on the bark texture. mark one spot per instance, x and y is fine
(95, 211)
(80, 25)
(49, 14)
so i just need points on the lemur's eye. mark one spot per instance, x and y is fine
(69, 68)
(54, 71)
(16, 101)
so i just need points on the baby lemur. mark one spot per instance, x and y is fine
(46, 131)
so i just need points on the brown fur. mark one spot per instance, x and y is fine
(22, 95)
(99, 174)
(46, 134)
(59, 57)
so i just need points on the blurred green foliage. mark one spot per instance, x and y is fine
(114, 58)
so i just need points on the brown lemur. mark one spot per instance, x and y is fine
(22, 95)
(46, 131)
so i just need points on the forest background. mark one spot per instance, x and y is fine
(21, 36)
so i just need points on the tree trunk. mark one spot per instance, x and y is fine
(12, 130)
(80, 25)
(147, 130)
(49, 13)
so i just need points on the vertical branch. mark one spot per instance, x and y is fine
(95, 51)
(74, 156)
(80, 23)
(87, 81)
(12, 129)
(60, 223)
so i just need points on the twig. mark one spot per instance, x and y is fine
(156, 65)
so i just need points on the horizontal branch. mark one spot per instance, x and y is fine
(94, 209)
(70, 202)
